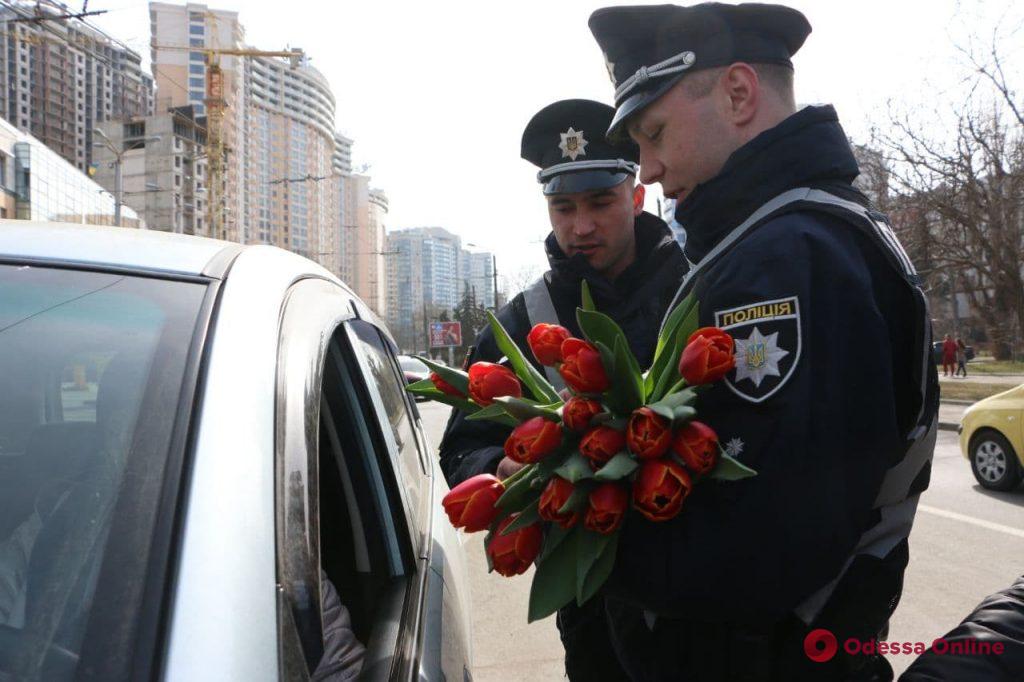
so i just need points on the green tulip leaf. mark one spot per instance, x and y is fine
(523, 409)
(552, 462)
(599, 328)
(588, 300)
(553, 537)
(576, 468)
(599, 571)
(527, 517)
(627, 382)
(683, 414)
(667, 372)
(618, 467)
(730, 469)
(589, 548)
(518, 490)
(494, 412)
(456, 377)
(431, 393)
(553, 586)
(666, 341)
(577, 501)
(524, 369)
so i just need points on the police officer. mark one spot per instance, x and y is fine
(833, 400)
(600, 234)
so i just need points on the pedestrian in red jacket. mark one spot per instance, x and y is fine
(948, 356)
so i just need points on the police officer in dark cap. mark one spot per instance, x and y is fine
(833, 399)
(601, 235)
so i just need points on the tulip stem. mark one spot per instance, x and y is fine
(517, 475)
(678, 386)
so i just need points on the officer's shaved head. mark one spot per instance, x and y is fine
(775, 78)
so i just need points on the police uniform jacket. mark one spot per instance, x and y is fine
(826, 389)
(636, 300)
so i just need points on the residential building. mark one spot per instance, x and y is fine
(427, 273)
(279, 185)
(476, 271)
(364, 242)
(37, 183)
(60, 79)
(163, 168)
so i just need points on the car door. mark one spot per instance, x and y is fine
(346, 445)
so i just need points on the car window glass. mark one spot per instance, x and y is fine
(383, 375)
(81, 353)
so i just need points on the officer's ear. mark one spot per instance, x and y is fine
(639, 192)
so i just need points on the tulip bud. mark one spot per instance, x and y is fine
(600, 444)
(660, 487)
(488, 381)
(512, 554)
(606, 507)
(471, 504)
(533, 440)
(577, 413)
(697, 445)
(545, 340)
(708, 356)
(582, 368)
(556, 493)
(648, 434)
(443, 386)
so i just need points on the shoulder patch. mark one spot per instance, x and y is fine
(768, 343)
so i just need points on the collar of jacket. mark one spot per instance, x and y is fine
(654, 246)
(809, 148)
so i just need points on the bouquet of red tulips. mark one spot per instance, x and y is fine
(617, 435)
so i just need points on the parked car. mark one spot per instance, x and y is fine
(190, 430)
(413, 368)
(992, 439)
(937, 352)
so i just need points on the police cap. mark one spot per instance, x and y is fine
(649, 48)
(567, 141)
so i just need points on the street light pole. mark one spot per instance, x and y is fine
(118, 156)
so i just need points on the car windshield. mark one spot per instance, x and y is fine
(411, 364)
(91, 372)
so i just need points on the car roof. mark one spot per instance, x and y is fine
(115, 247)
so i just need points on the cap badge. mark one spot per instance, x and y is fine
(573, 144)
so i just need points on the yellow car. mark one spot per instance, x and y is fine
(992, 439)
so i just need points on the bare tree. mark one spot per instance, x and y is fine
(958, 195)
(519, 279)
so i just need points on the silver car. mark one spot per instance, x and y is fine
(190, 430)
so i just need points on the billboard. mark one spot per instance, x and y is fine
(445, 334)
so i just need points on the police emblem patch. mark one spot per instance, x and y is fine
(768, 341)
(573, 144)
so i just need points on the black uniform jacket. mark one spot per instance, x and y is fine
(636, 300)
(820, 404)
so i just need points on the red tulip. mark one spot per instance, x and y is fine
(488, 381)
(545, 340)
(697, 445)
(660, 488)
(533, 440)
(708, 356)
(512, 554)
(606, 507)
(648, 434)
(443, 386)
(470, 504)
(556, 493)
(600, 444)
(578, 412)
(581, 367)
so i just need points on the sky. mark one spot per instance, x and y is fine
(436, 94)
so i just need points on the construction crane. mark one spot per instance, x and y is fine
(216, 149)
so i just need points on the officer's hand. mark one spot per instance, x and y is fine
(506, 467)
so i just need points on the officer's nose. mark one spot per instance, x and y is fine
(651, 170)
(583, 224)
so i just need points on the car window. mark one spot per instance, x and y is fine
(91, 368)
(395, 415)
